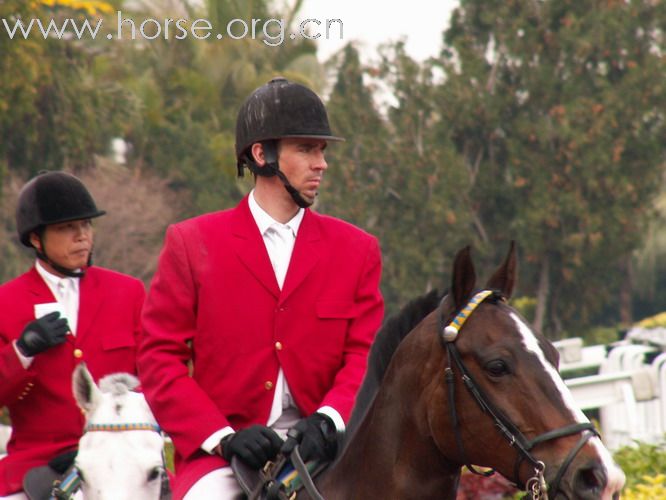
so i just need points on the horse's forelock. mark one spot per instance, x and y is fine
(118, 383)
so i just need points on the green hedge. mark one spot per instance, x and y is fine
(641, 461)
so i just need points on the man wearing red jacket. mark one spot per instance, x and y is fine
(274, 305)
(62, 312)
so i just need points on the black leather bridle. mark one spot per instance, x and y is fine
(535, 485)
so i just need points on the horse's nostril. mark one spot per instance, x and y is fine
(590, 481)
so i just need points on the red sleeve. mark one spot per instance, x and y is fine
(369, 312)
(181, 407)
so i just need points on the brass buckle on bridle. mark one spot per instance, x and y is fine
(536, 485)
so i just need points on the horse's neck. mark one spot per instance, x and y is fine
(390, 456)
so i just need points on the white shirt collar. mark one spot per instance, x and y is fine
(66, 292)
(264, 220)
(53, 280)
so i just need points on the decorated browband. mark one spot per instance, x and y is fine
(450, 332)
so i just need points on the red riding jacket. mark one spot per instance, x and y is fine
(45, 418)
(215, 299)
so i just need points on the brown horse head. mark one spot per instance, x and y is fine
(488, 396)
(518, 412)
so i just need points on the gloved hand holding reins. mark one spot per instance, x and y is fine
(316, 436)
(255, 445)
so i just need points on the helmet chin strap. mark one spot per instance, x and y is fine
(62, 270)
(272, 168)
(295, 195)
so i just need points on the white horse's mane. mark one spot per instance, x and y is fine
(118, 383)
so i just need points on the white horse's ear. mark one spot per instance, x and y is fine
(86, 392)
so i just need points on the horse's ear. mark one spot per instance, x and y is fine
(504, 278)
(85, 390)
(464, 278)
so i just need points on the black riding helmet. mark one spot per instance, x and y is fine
(51, 198)
(278, 110)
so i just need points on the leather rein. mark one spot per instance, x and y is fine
(536, 485)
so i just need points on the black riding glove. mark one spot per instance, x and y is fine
(42, 334)
(316, 436)
(255, 445)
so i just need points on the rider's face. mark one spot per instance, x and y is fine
(303, 162)
(67, 244)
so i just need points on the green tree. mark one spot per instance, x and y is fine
(557, 110)
(55, 110)
(427, 217)
(391, 177)
(649, 266)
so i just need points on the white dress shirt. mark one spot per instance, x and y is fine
(66, 292)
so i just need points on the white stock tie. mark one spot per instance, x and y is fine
(281, 239)
(67, 298)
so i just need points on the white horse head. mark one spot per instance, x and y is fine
(121, 453)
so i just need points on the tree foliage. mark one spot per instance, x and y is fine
(539, 121)
(56, 111)
(390, 178)
(557, 110)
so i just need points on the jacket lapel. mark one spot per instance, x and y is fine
(38, 288)
(305, 256)
(250, 248)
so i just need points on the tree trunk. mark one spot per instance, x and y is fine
(626, 310)
(542, 295)
(555, 322)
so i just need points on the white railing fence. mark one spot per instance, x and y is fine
(627, 385)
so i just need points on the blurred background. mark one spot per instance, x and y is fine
(473, 122)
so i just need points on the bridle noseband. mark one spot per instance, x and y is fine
(129, 426)
(536, 485)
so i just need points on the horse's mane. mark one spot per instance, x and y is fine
(394, 329)
(118, 383)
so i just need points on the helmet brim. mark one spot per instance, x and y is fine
(83, 216)
(25, 237)
(332, 138)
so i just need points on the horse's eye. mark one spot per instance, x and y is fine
(154, 473)
(497, 368)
